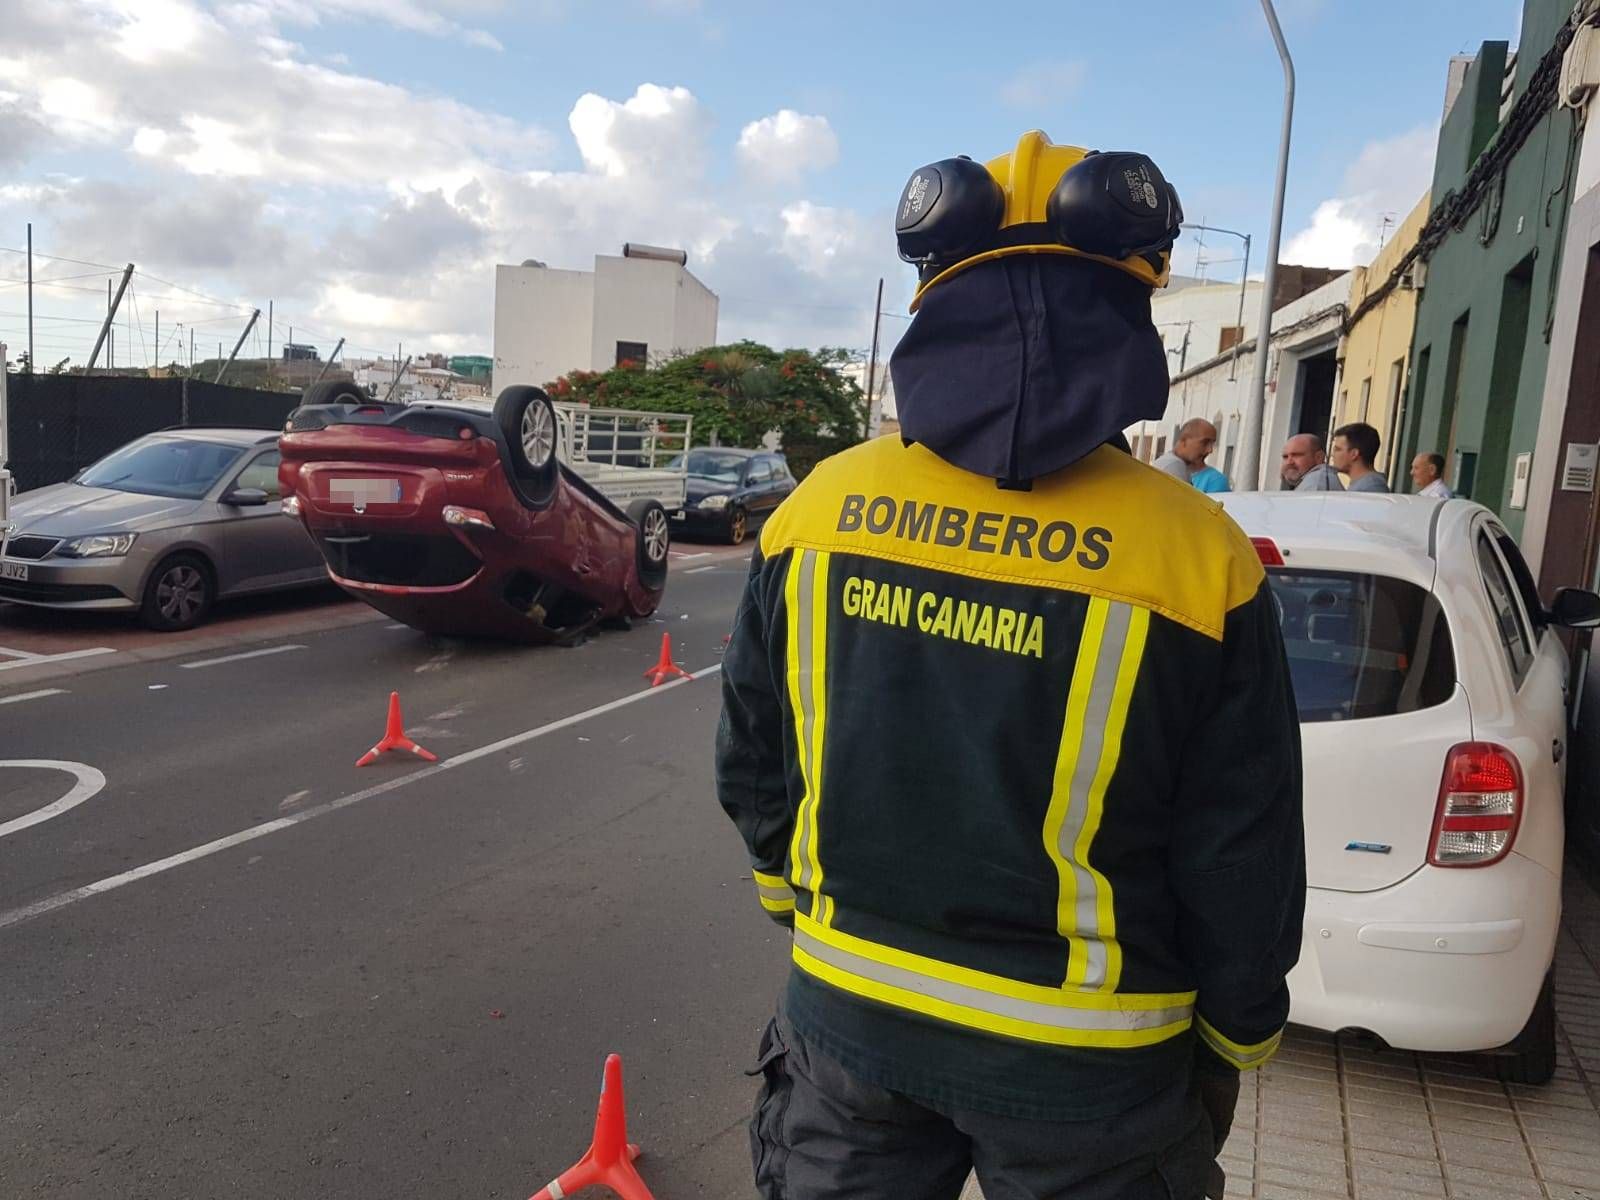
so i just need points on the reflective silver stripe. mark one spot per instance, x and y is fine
(800, 628)
(1243, 1057)
(1010, 1007)
(779, 894)
(1091, 746)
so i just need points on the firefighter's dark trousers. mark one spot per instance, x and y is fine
(821, 1134)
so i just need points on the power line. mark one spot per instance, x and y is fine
(57, 258)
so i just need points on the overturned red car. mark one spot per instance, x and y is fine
(531, 521)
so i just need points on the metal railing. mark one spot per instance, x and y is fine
(620, 437)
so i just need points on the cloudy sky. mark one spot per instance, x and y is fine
(363, 164)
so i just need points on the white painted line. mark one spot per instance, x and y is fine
(10, 653)
(88, 782)
(687, 557)
(36, 660)
(700, 570)
(21, 696)
(228, 658)
(39, 908)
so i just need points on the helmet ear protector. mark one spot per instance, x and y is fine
(1115, 206)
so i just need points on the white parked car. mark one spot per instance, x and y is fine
(1432, 690)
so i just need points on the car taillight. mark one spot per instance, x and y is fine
(1267, 551)
(1480, 806)
(456, 515)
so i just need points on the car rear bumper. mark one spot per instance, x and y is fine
(89, 583)
(1446, 960)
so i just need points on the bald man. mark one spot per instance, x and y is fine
(1196, 440)
(1305, 466)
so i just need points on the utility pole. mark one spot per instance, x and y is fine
(396, 382)
(329, 363)
(1255, 412)
(157, 362)
(269, 345)
(5, 451)
(111, 312)
(30, 306)
(873, 409)
(111, 333)
(191, 349)
(223, 370)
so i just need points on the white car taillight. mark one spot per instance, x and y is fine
(1480, 806)
(456, 515)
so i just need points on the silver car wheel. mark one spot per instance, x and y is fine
(180, 593)
(656, 536)
(538, 435)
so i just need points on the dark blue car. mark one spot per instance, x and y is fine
(731, 491)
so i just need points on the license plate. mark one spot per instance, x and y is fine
(364, 491)
(14, 570)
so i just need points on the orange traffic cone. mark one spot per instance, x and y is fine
(609, 1160)
(394, 737)
(665, 668)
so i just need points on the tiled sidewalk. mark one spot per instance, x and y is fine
(1327, 1120)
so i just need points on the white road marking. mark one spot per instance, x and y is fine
(686, 557)
(24, 659)
(228, 658)
(700, 570)
(39, 908)
(40, 695)
(88, 782)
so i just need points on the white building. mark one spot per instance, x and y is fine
(1301, 371)
(1198, 321)
(642, 305)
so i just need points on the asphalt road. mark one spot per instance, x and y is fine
(245, 968)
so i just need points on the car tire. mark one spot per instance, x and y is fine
(179, 594)
(654, 540)
(738, 525)
(527, 422)
(334, 391)
(1531, 1058)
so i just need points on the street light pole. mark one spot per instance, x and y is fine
(1244, 287)
(1250, 462)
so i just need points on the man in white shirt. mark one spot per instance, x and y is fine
(1427, 472)
(1196, 441)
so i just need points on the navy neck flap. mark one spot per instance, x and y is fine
(1021, 366)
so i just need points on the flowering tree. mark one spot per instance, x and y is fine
(739, 393)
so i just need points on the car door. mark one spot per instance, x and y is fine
(263, 549)
(771, 486)
(1533, 722)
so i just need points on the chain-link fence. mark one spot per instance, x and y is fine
(62, 423)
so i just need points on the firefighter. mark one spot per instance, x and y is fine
(1008, 733)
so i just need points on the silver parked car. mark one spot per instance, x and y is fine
(165, 526)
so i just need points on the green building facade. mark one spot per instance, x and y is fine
(1481, 344)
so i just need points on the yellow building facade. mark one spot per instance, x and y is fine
(1374, 354)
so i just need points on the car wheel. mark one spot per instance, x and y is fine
(178, 594)
(738, 525)
(654, 540)
(334, 391)
(527, 422)
(1531, 1059)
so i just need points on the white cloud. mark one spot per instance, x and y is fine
(1045, 85)
(410, 15)
(230, 160)
(783, 147)
(658, 131)
(1387, 178)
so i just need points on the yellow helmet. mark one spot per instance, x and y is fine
(1114, 208)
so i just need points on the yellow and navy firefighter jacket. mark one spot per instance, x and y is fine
(1022, 768)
